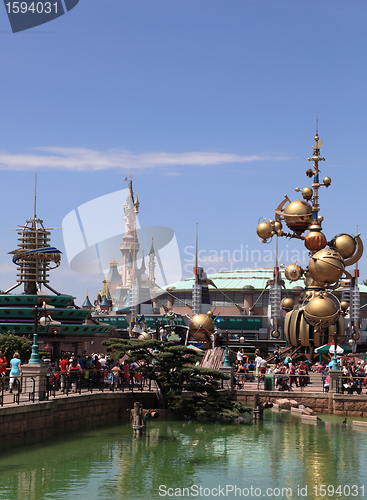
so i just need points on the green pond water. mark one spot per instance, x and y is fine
(176, 459)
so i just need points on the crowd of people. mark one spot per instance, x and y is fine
(289, 373)
(71, 371)
(99, 369)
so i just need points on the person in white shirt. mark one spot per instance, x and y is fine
(258, 360)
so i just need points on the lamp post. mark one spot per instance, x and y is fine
(226, 356)
(334, 361)
(43, 321)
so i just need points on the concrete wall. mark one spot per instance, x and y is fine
(337, 404)
(33, 421)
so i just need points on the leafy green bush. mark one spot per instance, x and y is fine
(10, 343)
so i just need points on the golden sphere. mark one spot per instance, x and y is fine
(326, 266)
(287, 304)
(315, 240)
(264, 230)
(321, 311)
(201, 323)
(293, 272)
(344, 305)
(145, 336)
(210, 313)
(327, 181)
(298, 215)
(200, 335)
(321, 306)
(307, 193)
(345, 244)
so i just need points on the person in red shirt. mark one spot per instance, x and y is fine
(3, 363)
(64, 364)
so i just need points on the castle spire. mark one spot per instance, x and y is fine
(152, 262)
(143, 268)
(136, 204)
(131, 187)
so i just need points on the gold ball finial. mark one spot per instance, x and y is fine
(287, 304)
(327, 181)
(264, 230)
(293, 272)
(307, 193)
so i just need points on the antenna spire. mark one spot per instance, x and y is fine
(196, 249)
(317, 123)
(196, 256)
(35, 196)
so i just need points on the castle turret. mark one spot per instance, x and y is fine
(87, 303)
(113, 277)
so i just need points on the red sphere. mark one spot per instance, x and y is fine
(315, 240)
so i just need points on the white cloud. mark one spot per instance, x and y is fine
(83, 159)
(8, 267)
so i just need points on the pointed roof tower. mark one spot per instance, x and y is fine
(152, 251)
(87, 303)
(113, 274)
(136, 204)
(143, 268)
(129, 262)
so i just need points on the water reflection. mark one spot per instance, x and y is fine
(278, 453)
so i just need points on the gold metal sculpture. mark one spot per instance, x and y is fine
(319, 316)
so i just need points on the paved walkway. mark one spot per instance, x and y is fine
(315, 385)
(9, 399)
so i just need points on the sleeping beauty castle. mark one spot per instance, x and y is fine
(130, 288)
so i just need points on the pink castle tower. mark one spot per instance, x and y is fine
(129, 246)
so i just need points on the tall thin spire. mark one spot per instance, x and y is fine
(152, 251)
(196, 253)
(317, 123)
(152, 262)
(35, 197)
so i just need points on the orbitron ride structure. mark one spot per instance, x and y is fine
(320, 316)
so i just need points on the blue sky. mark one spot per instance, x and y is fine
(212, 106)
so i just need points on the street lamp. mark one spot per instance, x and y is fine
(226, 356)
(44, 320)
